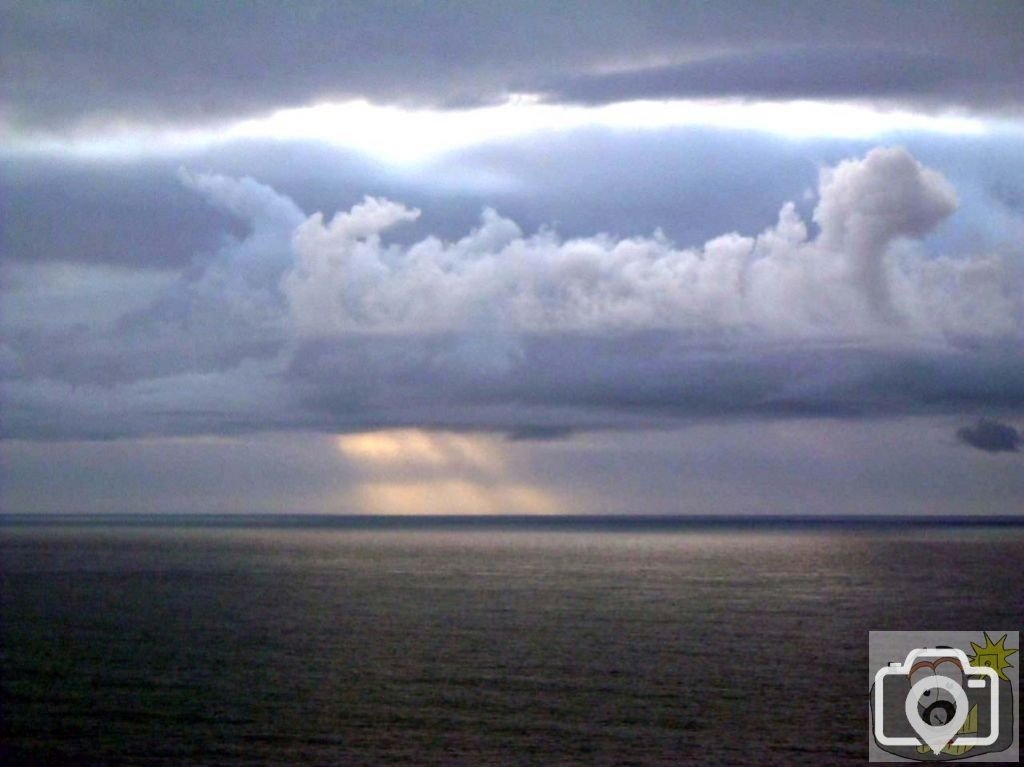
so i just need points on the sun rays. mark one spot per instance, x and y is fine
(413, 471)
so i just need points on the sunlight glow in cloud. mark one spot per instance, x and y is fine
(411, 471)
(403, 136)
(414, 447)
(393, 447)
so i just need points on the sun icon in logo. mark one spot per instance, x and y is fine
(992, 655)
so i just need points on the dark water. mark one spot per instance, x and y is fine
(556, 644)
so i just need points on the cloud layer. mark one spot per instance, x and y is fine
(66, 63)
(807, 72)
(328, 323)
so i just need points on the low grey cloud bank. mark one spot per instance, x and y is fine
(325, 323)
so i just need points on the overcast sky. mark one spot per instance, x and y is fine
(512, 257)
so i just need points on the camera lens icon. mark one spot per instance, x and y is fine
(937, 703)
(938, 722)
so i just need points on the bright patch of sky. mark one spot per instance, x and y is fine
(408, 136)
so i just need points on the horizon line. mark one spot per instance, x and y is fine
(254, 519)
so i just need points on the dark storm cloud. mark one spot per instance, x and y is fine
(587, 382)
(196, 61)
(538, 433)
(991, 436)
(824, 73)
(537, 388)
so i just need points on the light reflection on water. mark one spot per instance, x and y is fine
(327, 646)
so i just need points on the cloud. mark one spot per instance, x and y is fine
(71, 63)
(866, 205)
(539, 433)
(844, 280)
(331, 324)
(990, 436)
(805, 72)
(694, 184)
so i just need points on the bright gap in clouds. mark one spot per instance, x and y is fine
(412, 471)
(403, 136)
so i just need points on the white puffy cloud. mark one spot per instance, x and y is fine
(867, 204)
(847, 279)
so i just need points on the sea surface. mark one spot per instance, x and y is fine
(340, 641)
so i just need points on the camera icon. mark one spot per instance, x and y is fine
(927, 693)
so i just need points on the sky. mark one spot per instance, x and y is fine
(519, 257)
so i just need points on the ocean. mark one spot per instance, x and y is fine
(348, 641)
